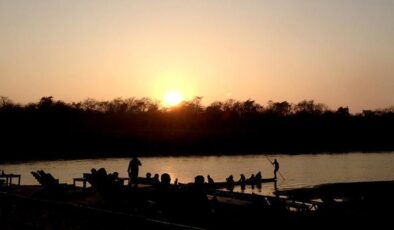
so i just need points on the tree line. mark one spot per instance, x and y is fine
(52, 129)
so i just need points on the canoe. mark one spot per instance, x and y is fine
(216, 185)
(247, 182)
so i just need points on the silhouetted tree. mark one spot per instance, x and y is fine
(310, 107)
(343, 111)
(283, 108)
(52, 128)
(5, 101)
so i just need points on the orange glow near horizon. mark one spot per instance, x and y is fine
(261, 50)
(172, 85)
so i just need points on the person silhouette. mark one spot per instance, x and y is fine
(230, 183)
(276, 167)
(252, 179)
(133, 170)
(242, 181)
(258, 177)
(165, 179)
(210, 180)
(155, 179)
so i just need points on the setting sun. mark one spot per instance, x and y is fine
(172, 98)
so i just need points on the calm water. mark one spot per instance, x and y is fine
(298, 170)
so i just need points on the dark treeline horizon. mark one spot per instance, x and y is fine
(52, 129)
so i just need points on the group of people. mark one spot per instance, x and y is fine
(252, 180)
(135, 163)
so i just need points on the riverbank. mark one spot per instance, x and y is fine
(334, 205)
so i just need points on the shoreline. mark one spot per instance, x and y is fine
(359, 204)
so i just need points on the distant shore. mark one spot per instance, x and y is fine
(51, 129)
(177, 154)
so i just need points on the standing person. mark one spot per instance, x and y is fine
(242, 181)
(276, 167)
(133, 169)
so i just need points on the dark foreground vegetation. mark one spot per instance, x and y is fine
(51, 129)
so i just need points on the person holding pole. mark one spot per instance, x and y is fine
(276, 167)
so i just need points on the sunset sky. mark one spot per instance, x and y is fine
(337, 52)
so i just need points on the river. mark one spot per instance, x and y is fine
(295, 170)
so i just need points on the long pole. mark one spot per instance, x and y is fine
(280, 174)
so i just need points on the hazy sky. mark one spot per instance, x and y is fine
(335, 52)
